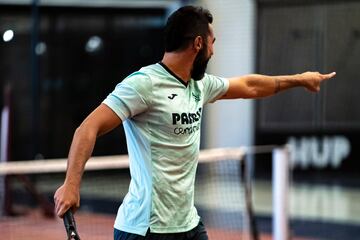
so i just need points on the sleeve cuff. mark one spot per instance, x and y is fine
(224, 90)
(112, 105)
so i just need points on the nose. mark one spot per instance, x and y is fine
(211, 51)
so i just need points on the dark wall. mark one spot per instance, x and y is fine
(72, 80)
(311, 36)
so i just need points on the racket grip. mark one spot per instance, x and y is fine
(70, 225)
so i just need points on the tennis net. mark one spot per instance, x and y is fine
(28, 186)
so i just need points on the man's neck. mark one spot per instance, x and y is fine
(179, 63)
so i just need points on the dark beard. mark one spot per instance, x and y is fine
(199, 65)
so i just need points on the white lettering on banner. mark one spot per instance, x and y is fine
(317, 152)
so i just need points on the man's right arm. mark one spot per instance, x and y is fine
(258, 86)
(99, 122)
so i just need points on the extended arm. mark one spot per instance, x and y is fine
(99, 122)
(258, 86)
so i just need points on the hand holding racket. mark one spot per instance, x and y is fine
(70, 226)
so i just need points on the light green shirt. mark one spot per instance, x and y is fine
(161, 116)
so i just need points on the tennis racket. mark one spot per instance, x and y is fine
(70, 226)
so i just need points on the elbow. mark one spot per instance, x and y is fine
(253, 90)
(256, 93)
(258, 87)
(79, 131)
(245, 87)
(85, 132)
(251, 94)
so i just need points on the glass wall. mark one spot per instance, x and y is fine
(79, 55)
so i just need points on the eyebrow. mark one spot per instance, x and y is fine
(214, 39)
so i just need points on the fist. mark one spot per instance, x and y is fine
(66, 197)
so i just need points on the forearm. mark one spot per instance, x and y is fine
(258, 86)
(264, 86)
(80, 151)
(99, 122)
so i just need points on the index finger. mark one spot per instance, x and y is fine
(61, 210)
(328, 76)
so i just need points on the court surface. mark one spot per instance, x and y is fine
(38, 227)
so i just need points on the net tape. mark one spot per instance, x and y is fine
(109, 162)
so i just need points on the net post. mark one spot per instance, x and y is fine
(250, 223)
(280, 181)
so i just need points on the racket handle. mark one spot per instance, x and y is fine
(70, 226)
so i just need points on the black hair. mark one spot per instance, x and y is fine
(184, 25)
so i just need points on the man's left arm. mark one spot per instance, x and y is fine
(258, 86)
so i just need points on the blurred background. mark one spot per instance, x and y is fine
(60, 58)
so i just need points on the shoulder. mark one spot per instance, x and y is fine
(141, 80)
(210, 79)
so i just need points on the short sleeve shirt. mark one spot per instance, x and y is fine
(161, 116)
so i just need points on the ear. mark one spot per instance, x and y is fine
(198, 43)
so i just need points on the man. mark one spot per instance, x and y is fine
(160, 107)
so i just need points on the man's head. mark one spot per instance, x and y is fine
(190, 26)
